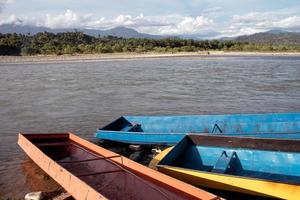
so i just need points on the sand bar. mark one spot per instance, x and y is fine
(130, 56)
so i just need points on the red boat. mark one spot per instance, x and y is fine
(90, 172)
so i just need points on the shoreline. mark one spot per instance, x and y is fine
(130, 56)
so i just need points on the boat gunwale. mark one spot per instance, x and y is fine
(180, 133)
(141, 133)
(218, 114)
(228, 134)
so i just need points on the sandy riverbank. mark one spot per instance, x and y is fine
(129, 56)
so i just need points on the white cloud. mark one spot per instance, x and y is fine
(194, 25)
(170, 24)
(189, 25)
(166, 25)
(174, 24)
(11, 19)
(255, 22)
(288, 22)
(67, 20)
(139, 21)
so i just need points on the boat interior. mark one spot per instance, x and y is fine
(100, 172)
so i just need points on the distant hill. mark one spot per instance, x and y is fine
(118, 31)
(272, 37)
(269, 37)
(276, 31)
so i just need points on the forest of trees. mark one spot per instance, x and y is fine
(79, 43)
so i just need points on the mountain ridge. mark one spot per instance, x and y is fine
(275, 36)
(117, 31)
(271, 37)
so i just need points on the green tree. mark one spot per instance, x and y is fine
(29, 51)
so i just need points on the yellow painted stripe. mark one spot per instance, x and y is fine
(232, 183)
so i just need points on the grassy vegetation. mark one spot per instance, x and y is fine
(46, 43)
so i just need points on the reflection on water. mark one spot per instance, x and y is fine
(81, 97)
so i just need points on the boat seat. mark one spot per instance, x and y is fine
(131, 127)
(227, 163)
(216, 129)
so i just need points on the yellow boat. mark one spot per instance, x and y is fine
(263, 167)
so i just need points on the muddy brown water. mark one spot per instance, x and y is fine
(82, 96)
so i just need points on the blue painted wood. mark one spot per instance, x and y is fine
(225, 162)
(274, 165)
(171, 129)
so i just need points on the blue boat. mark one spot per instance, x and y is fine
(257, 166)
(168, 130)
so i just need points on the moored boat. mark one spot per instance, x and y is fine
(90, 172)
(256, 166)
(168, 130)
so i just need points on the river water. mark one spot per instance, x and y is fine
(82, 96)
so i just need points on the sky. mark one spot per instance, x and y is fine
(208, 18)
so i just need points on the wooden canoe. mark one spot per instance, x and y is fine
(168, 130)
(89, 172)
(256, 166)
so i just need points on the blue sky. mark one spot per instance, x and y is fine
(209, 18)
